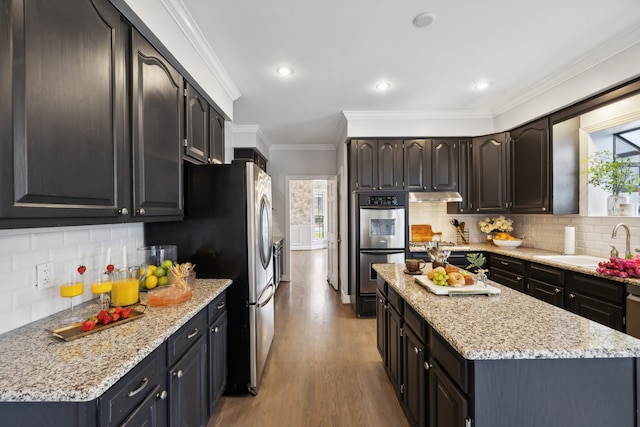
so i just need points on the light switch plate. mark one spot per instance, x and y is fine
(44, 275)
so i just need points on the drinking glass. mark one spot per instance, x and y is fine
(101, 283)
(72, 286)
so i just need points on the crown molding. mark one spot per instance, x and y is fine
(182, 17)
(606, 50)
(303, 147)
(253, 129)
(417, 115)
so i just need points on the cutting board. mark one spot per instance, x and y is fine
(449, 290)
(423, 233)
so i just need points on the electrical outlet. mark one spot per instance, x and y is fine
(44, 275)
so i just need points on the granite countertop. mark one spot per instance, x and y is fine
(510, 325)
(36, 366)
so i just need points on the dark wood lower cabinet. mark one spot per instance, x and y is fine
(186, 387)
(217, 360)
(381, 336)
(414, 378)
(147, 413)
(546, 292)
(512, 280)
(394, 349)
(448, 407)
(599, 311)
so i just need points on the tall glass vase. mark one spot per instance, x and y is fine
(613, 203)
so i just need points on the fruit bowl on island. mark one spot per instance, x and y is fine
(507, 244)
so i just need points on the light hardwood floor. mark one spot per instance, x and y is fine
(324, 368)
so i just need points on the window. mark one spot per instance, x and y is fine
(319, 213)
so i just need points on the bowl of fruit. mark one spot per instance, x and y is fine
(506, 240)
(155, 262)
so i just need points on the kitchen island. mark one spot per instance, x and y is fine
(40, 371)
(503, 360)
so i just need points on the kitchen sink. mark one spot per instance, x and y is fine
(586, 261)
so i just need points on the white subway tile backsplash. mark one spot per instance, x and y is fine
(66, 247)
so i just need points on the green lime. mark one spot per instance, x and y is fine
(163, 281)
(159, 272)
(167, 263)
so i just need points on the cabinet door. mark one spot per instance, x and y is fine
(157, 132)
(366, 164)
(414, 377)
(217, 360)
(448, 407)
(196, 145)
(62, 110)
(490, 172)
(390, 158)
(465, 179)
(417, 164)
(381, 339)
(150, 413)
(599, 311)
(444, 165)
(187, 385)
(546, 292)
(216, 137)
(530, 168)
(394, 354)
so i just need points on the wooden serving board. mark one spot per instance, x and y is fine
(423, 233)
(72, 332)
(450, 290)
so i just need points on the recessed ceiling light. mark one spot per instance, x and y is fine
(423, 20)
(383, 86)
(481, 86)
(284, 71)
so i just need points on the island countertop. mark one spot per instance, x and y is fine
(36, 366)
(510, 325)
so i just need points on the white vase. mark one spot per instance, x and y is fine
(613, 203)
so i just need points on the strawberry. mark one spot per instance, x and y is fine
(88, 325)
(82, 269)
(115, 316)
(102, 314)
(117, 309)
(110, 268)
(126, 312)
(105, 319)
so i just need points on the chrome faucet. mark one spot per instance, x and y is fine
(627, 251)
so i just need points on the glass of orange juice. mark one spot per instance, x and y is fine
(72, 286)
(101, 284)
(126, 286)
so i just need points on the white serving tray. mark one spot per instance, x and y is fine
(451, 291)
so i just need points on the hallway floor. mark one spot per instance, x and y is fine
(324, 368)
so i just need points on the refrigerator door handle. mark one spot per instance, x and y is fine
(381, 251)
(272, 292)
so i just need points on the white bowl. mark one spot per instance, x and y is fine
(507, 243)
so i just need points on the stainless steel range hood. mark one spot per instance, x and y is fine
(434, 196)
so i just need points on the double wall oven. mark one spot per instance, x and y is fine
(380, 237)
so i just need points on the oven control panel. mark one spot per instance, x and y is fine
(382, 201)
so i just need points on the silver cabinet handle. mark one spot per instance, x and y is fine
(571, 296)
(141, 211)
(416, 350)
(504, 263)
(214, 330)
(162, 395)
(178, 374)
(556, 290)
(141, 387)
(518, 278)
(123, 211)
(193, 333)
(220, 306)
(427, 366)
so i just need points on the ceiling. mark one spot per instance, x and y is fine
(341, 49)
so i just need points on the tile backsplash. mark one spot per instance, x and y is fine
(592, 237)
(66, 247)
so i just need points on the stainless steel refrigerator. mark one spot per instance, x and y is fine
(227, 233)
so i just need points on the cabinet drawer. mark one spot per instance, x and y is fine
(416, 323)
(507, 263)
(451, 362)
(598, 288)
(128, 393)
(507, 278)
(394, 300)
(546, 274)
(180, 342)
(217, 307)
(549, 293)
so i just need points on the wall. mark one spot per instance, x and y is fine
(593, 234)
(66, 247)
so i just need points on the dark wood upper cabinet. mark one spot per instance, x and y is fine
(376, 164)
(417, 164)
(216, 137)
(196, 144)
(465, 179)
(530, 168)
(490, 169)
(431, 164)
(157, 132)
(62, 111)
(444, 164)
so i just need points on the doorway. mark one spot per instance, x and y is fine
(312, 219)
